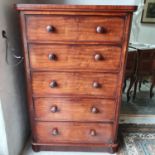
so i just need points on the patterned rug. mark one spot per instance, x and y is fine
(137, 141)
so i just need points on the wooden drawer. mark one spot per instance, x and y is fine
(48, 132)
(77, 83)
(75, 57)
(74, 109)
(74, 28)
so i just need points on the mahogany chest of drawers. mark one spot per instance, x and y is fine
(74, 60)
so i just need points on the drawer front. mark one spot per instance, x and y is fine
(62, 83)
(74, 28)
(71, 57)
(74, 109)
(54, 132)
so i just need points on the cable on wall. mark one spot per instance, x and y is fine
(12, 51)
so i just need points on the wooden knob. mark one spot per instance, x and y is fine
(55, 132)
(100, 29)
(50, 28)
(52, 57)
(94, 110)
(54, 109)
(53, 84)
(92, 132)
(96, 85)
(98, 57)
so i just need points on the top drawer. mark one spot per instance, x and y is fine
(74, 28)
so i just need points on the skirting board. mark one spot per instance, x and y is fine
(137, 119)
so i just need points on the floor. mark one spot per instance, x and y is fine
(29, 151)
(136, 139)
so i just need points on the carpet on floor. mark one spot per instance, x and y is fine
(137, 140)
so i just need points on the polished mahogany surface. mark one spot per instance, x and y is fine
(74, 61)
(74, 109)
(66, 57)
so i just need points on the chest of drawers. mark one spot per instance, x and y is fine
(74, 60)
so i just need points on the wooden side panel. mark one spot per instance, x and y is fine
(27, 73)
(121, 73)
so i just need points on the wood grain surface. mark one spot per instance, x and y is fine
(73, 132)
(74, 84)
(75, 57)
(74, 109)
(74, 28)
(75, 60)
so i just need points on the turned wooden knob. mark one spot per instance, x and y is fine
(100, 29)
(92, 132)
(55, 132)
(53, 84)
(94, 110)
(52, 57)
(98, 57)
(96, 85)
(50, 28)
(54, 109)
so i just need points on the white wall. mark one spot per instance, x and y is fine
(3, 145)
(144, 33)
(147, 33)
(89, 2)
(12, 87)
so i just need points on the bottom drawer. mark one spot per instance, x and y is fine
(55, 132)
